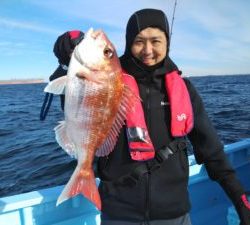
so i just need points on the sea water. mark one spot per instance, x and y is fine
(30, 158)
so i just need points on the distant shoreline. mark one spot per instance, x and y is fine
(26, 81)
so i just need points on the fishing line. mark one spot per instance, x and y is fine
(172, 22)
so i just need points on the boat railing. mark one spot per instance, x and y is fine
(208, 199)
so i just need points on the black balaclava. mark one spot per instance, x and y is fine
(139, 21)
(143, 19)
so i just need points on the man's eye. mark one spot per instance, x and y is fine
(138, 42)
(156, 41)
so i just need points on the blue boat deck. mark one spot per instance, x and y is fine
(209, 203)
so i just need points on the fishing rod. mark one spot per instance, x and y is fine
(172, 22)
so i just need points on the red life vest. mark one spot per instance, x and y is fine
(140, 144)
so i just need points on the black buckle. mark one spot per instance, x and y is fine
(182, 145)
(160, 156)
(163, 154)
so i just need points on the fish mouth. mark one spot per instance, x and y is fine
(86, 72)
(83, 64)
(90, 69)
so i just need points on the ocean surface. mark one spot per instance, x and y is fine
(30, 158)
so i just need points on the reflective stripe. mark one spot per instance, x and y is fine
(137, 134)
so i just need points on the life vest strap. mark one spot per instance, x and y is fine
(46, 105)
(178, 144)
(131, 179)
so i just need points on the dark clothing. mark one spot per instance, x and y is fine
(59, 72)
(159, 194)
(65, 45)
(183, 220)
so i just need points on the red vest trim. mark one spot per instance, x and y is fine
(140, 144)
(180, 105)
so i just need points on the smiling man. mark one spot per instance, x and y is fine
(144, 181)
(150, 46)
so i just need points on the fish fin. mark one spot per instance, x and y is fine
(81, 184)
(63, 140)
(125, 106)
(89, 32)
(56, 86)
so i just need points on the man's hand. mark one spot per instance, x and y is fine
(243, 210)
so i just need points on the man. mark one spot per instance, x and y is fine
(145, 179)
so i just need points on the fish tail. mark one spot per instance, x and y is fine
(81, 182)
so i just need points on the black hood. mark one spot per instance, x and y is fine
(143, 19)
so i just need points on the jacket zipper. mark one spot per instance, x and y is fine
(147, 197)
(147, 177)
(148, 106)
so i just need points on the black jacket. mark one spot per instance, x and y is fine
(162, 193)
(59, 72)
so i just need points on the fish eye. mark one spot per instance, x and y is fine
(108, 52)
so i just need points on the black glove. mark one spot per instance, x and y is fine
(237, 194)
(219, 169)
(243, 210)
(65, 45)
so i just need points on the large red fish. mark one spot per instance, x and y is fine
(96, 102)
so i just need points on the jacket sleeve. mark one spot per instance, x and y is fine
(209, 150)
(203, 136)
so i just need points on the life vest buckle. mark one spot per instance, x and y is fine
(163, 154)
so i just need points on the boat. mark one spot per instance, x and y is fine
(209, 202)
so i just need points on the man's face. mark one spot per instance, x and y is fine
(150, 46)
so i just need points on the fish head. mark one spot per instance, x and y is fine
(96, 54)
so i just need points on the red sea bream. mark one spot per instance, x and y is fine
(96, 102)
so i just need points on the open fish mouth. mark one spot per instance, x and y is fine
(84, 64)
(86, 72)
(82, 75)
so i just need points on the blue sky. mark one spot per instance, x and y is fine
(209, 37)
